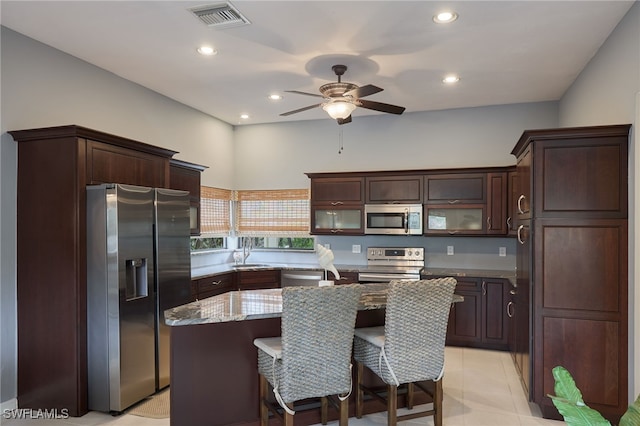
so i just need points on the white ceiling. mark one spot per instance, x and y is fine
(504, 51)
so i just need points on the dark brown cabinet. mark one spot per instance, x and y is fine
(520, 298)
(254, 280)
(394, 189)
(455, 188)
(497, 196)
(337, 205)
(186, 176)
(466, 203)
(346, 277)
(480, 320)
(54, 167)
(575, 257)
(337, 191)
(213, 285)
(513, 192)
(114, 164)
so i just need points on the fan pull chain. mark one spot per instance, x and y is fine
(340, 143)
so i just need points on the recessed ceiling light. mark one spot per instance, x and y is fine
(207, 51)
(445, 17)
(275, 97)
(450, 79)
(244, 116)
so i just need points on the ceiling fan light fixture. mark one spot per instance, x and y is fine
(339, 109)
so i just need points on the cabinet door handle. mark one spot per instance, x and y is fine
(520, 240)
(337, 203)
(509, 222)
(335, 231)
(453, 232)
(484, 288)
(520, 199)
(453, 201)
(216, 282)
(510, 309)
(489, 223)
(513, 292)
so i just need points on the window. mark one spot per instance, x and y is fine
(204, 243)
(288, 243)
(283, 213)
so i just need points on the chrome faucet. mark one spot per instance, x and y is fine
(247, 245)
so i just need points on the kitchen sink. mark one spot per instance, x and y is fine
(251, 266)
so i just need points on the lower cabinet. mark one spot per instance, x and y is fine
(214, 285)
(260, 279)
(481, 319)
(346, 277)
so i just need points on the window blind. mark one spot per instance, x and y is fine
(272, 212)
(215, 211)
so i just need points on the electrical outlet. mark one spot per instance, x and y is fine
(355, 248)
(449, 250)
(502, 251)
(327, 246)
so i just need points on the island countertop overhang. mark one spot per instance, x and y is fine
(258, 304)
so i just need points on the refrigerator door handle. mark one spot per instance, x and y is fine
(137, 284)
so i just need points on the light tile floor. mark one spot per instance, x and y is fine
(481, 388)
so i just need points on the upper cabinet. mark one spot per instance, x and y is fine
(468, 202)
(107, 163)
(455, 201)
(186, 176)
(394, 189)
(455, 188)
(337, 191)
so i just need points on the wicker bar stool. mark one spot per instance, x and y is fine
(312, 358)
(409, 348)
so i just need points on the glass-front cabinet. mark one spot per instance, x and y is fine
(336, 220)
(448, 219)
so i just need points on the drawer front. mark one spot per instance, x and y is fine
(216, 282)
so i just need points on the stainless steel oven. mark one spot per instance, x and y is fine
(385, 264)
(393, 219)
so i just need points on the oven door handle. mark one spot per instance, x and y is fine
(372, 277)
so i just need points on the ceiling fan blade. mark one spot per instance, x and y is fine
(379, 106)
(303, 93)
(344, 120)
(363, 91)
(284, 114)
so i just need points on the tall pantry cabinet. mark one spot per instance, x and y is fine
(572, 264)
(55, 165)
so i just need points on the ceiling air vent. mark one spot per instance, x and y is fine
(220, 15)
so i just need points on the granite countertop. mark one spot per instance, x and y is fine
(451, 272)
(258, 304)
(205, 271)
(478, 273)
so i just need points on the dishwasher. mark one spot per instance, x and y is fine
(300, 277)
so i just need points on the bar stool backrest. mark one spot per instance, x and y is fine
(415, 327)
(317, 338)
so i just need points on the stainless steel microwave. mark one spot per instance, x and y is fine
(393, 219)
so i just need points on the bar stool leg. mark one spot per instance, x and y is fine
(392, 405)
(437, 402)
(262, 391)
(409, 396)
(359, 392)
(324, 405)
(288, 418)
(344, 413)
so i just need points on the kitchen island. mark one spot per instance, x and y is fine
(214, 376)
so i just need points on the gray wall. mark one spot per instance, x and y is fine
(608, 92)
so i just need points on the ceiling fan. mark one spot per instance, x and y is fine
(340, 99)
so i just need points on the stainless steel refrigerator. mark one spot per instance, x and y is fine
(138, 265)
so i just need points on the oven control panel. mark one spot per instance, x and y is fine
(395, 253)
